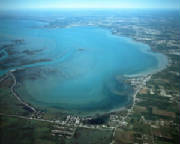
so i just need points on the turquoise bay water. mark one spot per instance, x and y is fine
(83, 65)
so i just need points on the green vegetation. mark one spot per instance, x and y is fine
(21, 131)
(8, 102)
(92, 136)
(155, 117)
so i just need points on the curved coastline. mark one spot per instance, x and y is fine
(161, 64)
(161, 58)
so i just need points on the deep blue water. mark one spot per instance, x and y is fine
(83, 68)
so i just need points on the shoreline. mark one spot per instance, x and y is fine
(162, 59)
(147, 74)
(128, 107)
(146, 78)
(12, 88)
(161, 66)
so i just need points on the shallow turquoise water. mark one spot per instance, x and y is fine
(83, 65)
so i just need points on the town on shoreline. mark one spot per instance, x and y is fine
(155, 106)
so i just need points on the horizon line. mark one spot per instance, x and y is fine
(92, 8)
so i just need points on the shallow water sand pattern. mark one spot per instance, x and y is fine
(82, 67)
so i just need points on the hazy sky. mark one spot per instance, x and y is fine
(23, 4)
